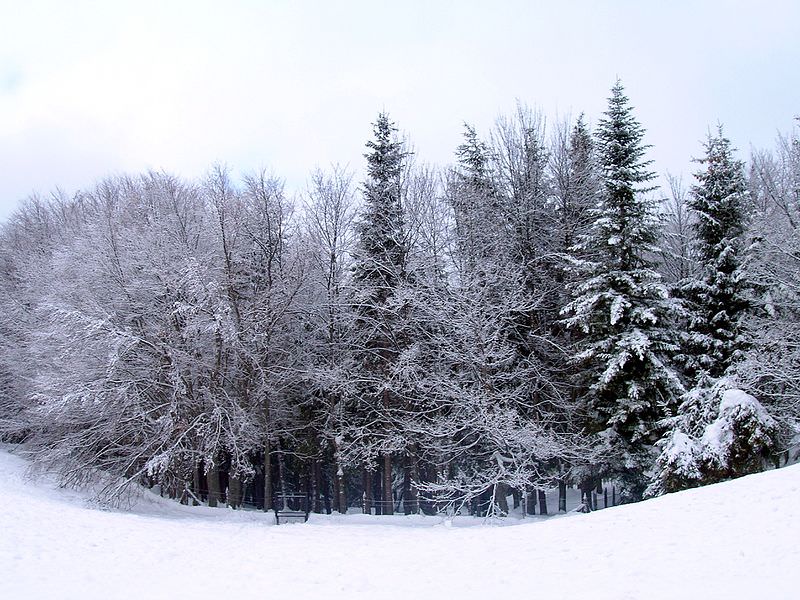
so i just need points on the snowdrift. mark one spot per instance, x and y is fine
(732, 540)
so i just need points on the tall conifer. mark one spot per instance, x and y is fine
(620, 306)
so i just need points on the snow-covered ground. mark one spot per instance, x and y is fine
(739, 539)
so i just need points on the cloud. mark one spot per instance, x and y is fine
(89, 88)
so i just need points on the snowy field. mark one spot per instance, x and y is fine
(734, 540)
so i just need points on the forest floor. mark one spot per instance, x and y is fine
(736, 540)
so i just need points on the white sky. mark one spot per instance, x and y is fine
(89, 89)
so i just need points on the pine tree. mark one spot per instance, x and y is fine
(693, 452)
(475, 201)
(717, 299)
(379, 274)
(381, 251)
(578, 191)
(620, 307)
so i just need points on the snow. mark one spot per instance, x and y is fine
(732, 540)
(681, 451)
(734, 399)
(735, 407)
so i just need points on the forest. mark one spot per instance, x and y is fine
(453, 338)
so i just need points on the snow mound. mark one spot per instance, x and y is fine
(729, 541)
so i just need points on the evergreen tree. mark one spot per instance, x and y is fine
(720, 433)
(380, 264)
(579, 185)
(716, 299)
(693, 453)
(379, 275)
(476, 204)
(576, 187)
(620, 307)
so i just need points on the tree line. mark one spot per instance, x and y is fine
(535, 315)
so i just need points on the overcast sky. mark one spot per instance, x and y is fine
(89, 89)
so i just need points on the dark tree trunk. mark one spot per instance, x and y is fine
(406, 494)
(410, 499)
(340, 491)
(316, 478)
(325, 485)
(213, 486)
(336, 492)
(500, 497)
(586, 488)
(196, 484)
(367, 477)
(562, 496)
(234, 492)
(282, 476)
(542, 502)
(388, 498)
(531, 502)
(342, 498)
(267, 478)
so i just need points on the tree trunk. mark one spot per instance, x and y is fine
(336, 491)
(196, 484)
(542, 503)
(341, 490)
(586, 488)
(234, 492)
(562, 496)
(500, 499)
(531, 502)
(213, 486)
(388, 498)
(316, 476)
(282, 477)
(367, 491)
(338, 482)
(406, 493)
(411, 501)
(267, 478)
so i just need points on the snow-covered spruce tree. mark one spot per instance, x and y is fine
(379, 273)
(475, 200)
(576, 182)
(719, 432)
(717, 298)
(576, 187)
(620, 307)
